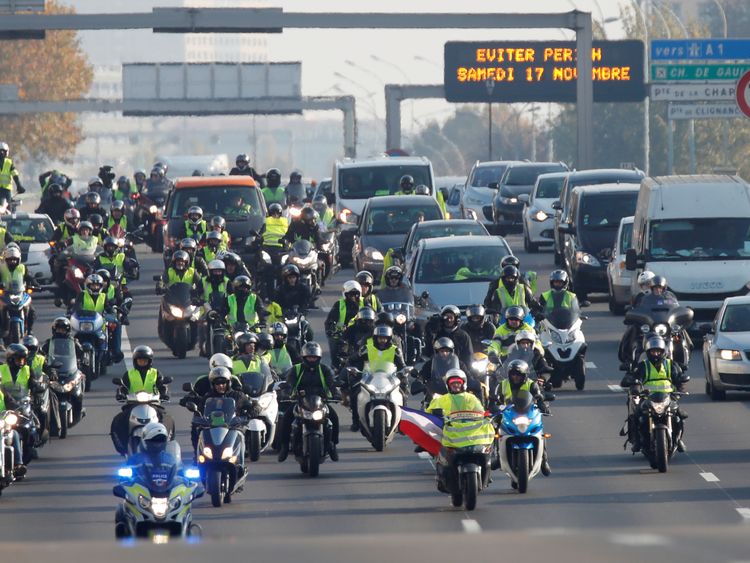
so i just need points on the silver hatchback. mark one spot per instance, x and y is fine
(726, 349)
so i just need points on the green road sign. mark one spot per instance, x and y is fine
(695, 73)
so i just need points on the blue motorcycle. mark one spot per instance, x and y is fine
(15, 302)
(522, 442)
(91, 331)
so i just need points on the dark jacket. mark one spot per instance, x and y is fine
(461, 340)
(249, 171)
(55, 207)
(478, 333)
(333, 315)
(310, 382)
(300, 230)
(288, 296)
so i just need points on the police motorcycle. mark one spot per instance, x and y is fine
(8, 421)
(220, 453)
(304, 255)
(379, 402)
(157, 497)
(659, 316)
(144, 408)
(14, 302)
(263, 415)
(178, 317)
(68, 383)
(92, 331)
(565, 346)
(522, 441)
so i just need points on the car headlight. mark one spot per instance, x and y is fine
(153, 209)
(508, 200)
(731, 355)
(522, 423)
(208, 453)
(175, 311)
(11, 419)
(159, 507)
(661, 329)
(227, 452)
(586, 258)
(540, 216)
(373, 253)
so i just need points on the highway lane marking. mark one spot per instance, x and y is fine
(710, 477)
(424, 455)
(590, 365)
(744, 512)
(616, 388)
(639, 540)
(125, 348)
(471, 526)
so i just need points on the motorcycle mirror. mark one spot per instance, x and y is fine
(437, 412)
(157, 278)
(425, 295)
(167, 379)
(584, 317)
(191, 406)
(119, 491)
(187, 387)
(486, 343)
(117, 381)
(585, 303)
(417, 387)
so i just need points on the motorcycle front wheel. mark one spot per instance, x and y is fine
(313, 452)
(522, 469)
(661, 449)
(213, 486)
(470, 490)
(379, 430)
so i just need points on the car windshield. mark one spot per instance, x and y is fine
(485, 175)
(736, 318)
(231, 202)
(365, 182)
(460, 264)
(398, 220)
(601, 211)
(700, 239)
(527, 175)
(448, 231)
(30, 230)
(626, 237)
(549, 188)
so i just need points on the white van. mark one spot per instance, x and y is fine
(357, 180)
(695, 231)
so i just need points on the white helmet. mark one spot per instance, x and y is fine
(644, 279)
(220, 361)
(455, 373)
(4, 147)
(154, 429)
(12, 252)
(94, 180)
(216, 265)
(351, 285)
(525, 335)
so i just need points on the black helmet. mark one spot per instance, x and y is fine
(61, 326)
(366, 314)
(109, 243)
(92, 198)
(104, 274)
(385, 318)
(558, 276)
(518, 369)
(265, 341)
(242, 158)
(242, 282)
(515, 312)
(510, 271)
(659, 281)
(311, 350)
(55, 190)
(475, 311)
(382, 332)
(245, 338)
(31, 343)
(213, 237)
(218, 221)
(15, 353)
(406, 183)
(442, 343)
(197, 172)
(273, 178)
(365, 277)
(510, 260)
(231, 258)
(295, 176)
(275, 210)
(143, 352)
(289, 270)
(96, 220)
(308, 215)
(123, 180)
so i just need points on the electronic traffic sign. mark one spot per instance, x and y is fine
(541, 71)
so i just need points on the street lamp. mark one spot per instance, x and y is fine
(490, 85)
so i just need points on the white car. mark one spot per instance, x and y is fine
(618, 277)
(476, 199)
(32, 232)
(726, 358)
(538, 215)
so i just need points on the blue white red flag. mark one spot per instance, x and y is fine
(425, 430)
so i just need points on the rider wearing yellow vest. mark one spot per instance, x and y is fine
(15, 374)
(273, 192)
(12, 272)
(84, 242)
(505, 334)
(283, 355)
(209, 252)
(275, 226)
(179, 272)
(194, 227)
(8, 175)
(508, 291)
(368, 299)
(247, 360)
(243, 306)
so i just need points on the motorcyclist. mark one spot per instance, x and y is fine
(50, 177)
(283, 355)
(247, 358)
(157, 182)
(8, 403)
(377, 350)
(273, 192)
(139, 179)
(291, 293)
(243, 168)
(244, 306)
(660, 289)
(326, 214)
(143, 377)
(368, 299)
(314, 378)
(8, 176)
(461, 412)
(273, 231)
(190, 246)
(209, 252)
(447, 325)
(656, 373)
(40, 373)
(194, 226)
(156, 448)
(107, 176)
(304, 227)
(394, 287)
(507, 291)
(92, 299)
(123, 189)
(61, 329)
(234, 266)
(97, 222)
(644, 285)
(215, 287)
(295, 190)
(219, 224)
(558, 296)
(263, 349)
(92, 206)
(357, 333)
(83, 242)
(406, 185)
(12, 271)
(630, 337)
(478, 326)
(341, 315)
(505, 335)
(113, 260)
(115, 294)
(444, 358)
(54, 205)
(117, 217)
(67, 228)
(16, 377)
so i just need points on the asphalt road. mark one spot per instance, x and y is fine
(600, 500)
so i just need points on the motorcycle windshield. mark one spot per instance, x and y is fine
(159, 477)
(563, 319)
(391, 295)
(254, 383)
(16, 287)
(439, 368)
(219, 411)
(178, 295)
(302, 248)
(515, 353)
(400, 308)
(378, 366)
(63, 351)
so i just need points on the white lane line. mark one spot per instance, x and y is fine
(424, 455)
(710, 477)
(125, 348)
(471, 526)
(639, 540)
(590, 365)
(616, 388)
(744, 512)
(326, 310)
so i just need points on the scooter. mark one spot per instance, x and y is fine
(263, 416)
(379, 404)
(565, 346)
(521, 444)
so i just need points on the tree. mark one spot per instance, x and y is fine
(53, 69)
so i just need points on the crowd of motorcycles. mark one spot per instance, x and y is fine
(545, 346)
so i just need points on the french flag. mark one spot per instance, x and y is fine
(425, 430)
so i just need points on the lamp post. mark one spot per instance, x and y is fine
(490, 84)
(724, 123)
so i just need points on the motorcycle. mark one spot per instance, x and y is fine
(157, 499)
(126, 241)
(263, 416)
(379, 404)
(68, 386)
(27, 424)
(221, 449)
(91, 331)
(311, 433)
(14, 302)
(404, 328)
(298, 327)
(304, 255)
(216, 341)
(521, 444)
(329, 253)
(565, 346)
(178, 318)
(8, 422)
(144, 408)
(77, 268)
(150, 214)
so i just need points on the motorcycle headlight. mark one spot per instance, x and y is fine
(208, 454)
(661, 329)
(77, 272)
(586, 258)
(193, 473)
(159, 507)
(153, 209)
(15, 299)
(480, 365)
(556, 337)
(175, 311)
(400, 318)
(295, 212)
(645, 328)
(125, 473)
(143, 397)
(227, 452)
(659, 408)
(540, 216)
(373, 253)
(87, 327)
(11, 419)
(730, 355)
(522, 423)
(266, 257)
(571, 336)
(68, 387)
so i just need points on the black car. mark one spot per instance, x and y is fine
(595, 213)
(518, 178)
(586, 178)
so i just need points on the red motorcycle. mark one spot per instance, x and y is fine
(77, 270)
(150, 214)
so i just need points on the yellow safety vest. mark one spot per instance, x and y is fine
(507, 392)
(274, 195)
(139, 383)
(342, 315)
(7, 277)
(507, 300)
(369, 301)
(377, 357)
(208, 289)
(281, 361)
(566, 303)
(6, 175)
(254, 365)
(251, 316)
(174, 277)
(118, 261)
(276, 228)
(37, 364)
(22, 378)
(81, 246)
(195, 233)
(123, 222)
(658, 380)
(298, 370)
(465, 424)
(95, 306)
